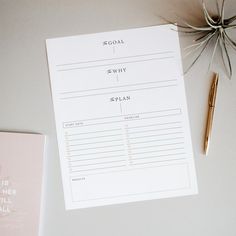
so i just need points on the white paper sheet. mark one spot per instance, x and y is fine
(121, 116)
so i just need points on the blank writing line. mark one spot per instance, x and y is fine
(104, 136)
(123, 91)
(156, 135)
(153, 130)
(107, 141)
(118, 63)
(157, 124)
(85, 154)
(116, 58)
(98, 168)
(109, 146)
(151, 162)
(163, 150)
(174, 154)
(121, 86)
(157, 140)
(98, 163)
(89, 159)
(96, 131)
(167, 144)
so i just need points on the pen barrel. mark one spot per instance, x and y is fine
(208, 128)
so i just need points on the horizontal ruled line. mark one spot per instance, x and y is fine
(96, 158)
(98, 163)
(162, 145)
(118, 63)
(109, 146)
(156, 135)
(156, 140)
(106, 141)
(153, 130)
(97, 131)
(102, 168)
(121, 86)
(157, 124)
(124, 91)
(165, 155)
(164, 150)
(115, 58)
(86, 154)
(151, 162)
(104, 136)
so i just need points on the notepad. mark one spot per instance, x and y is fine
(121, 116)
(21, 168)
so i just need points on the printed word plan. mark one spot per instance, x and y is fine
(121, 116)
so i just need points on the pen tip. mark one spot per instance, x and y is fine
(206, 145)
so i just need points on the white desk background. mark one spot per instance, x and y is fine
(26, 105)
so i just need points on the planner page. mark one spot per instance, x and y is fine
(121, 116)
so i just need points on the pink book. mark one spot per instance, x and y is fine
(21, 162)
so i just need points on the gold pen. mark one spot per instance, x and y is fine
(211, 104)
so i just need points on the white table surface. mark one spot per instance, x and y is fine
(26, 105)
